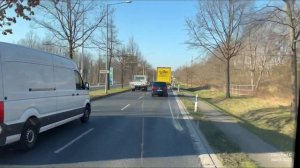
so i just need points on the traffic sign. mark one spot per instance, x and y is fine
(104, 71)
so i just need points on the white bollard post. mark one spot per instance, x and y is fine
(178, 88)
(196, 103)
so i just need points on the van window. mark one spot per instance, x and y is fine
(79, 82)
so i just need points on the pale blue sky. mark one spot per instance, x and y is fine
(157, 26)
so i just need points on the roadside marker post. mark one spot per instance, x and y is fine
(178, 88)
(196, 103)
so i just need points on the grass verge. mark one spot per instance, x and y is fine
(270, 119)
(229, 154)
(95, 94)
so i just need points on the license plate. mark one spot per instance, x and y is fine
(159, 90)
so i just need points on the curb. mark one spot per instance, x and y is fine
(206, 156)
(108, 95)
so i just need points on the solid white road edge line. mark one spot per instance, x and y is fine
(74, 140)
(125, 107)
(206, 155)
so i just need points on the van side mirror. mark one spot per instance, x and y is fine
(87, 86)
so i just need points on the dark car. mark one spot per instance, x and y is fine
(160, 89)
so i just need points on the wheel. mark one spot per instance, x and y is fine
(86, 115)
(29, 134)
(133, 90)
(146, 89)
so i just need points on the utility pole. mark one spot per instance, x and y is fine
(107, 52)
(82, 49)
(191, 69)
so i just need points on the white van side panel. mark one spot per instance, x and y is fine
(65, 88)
(64, 63)
(27, 80)
(11, 52)
(21, 110)
(28, 86)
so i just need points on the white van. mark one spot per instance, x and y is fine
(38, 91)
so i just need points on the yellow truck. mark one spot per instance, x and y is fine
(164, 74)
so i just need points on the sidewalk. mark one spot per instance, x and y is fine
(264, 154)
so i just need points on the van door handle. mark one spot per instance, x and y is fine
(73, 94)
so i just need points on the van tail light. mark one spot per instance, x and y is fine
(1, 111)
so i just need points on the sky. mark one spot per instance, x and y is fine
(158, 27)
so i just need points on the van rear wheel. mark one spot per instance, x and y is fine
(86, 115)
(29, 135)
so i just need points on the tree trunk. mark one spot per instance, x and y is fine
(122, 75)
(259, 80)
(294, 82)
(228, 78)
(70, 50)
(252, 79)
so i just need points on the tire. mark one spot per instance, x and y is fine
(29, 134)
(133, 90)
(86, 115)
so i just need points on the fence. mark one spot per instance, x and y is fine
(242, 90)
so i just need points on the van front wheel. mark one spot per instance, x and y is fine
(86, 115)
(29, 135)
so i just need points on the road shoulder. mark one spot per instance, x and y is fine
(206, 156)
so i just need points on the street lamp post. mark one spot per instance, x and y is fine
(107, 53)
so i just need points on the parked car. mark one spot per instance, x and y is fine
(38, 91)
(160, 89)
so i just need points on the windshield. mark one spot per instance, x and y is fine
(149, 83)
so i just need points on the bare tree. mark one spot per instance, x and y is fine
(31, 40)
(218, 30)
(262, 48)
(66, 20)
(134, 55)
(287, 15)
(21, 9)
(122, 58)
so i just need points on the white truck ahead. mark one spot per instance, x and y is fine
(139, 83)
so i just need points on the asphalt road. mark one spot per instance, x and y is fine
(131, 129)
